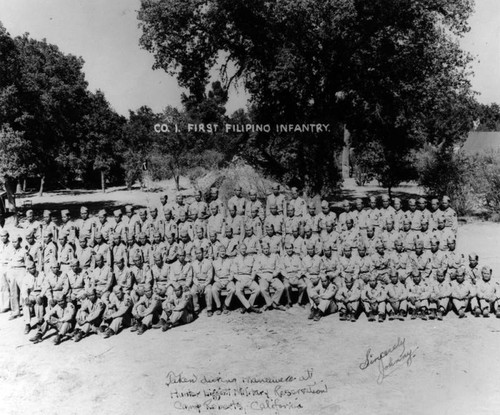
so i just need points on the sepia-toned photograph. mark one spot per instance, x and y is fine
(266, 207)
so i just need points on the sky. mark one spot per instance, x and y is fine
(106, 34)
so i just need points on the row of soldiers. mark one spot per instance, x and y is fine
(315, 254)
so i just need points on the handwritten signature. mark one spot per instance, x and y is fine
(390, 359)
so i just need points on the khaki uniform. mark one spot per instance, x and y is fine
(323, 298)
(223, 279)
(277, 221)
(381, 266)
(203, 275)
(397, 298)
(55, 283)
(78, 282)
(275, 243)
(258, 205)
(418, 295)
(266, 268)
(400, 261)
(462, 294)
(279, 201)
(422, 263)
(373, 299)
(89, 316)
(101, 279)
(243, 274)
(118, 312)
(31, 298)
(239, 202)
(440, 293)
(147, 310)
(348, 299)
(216, 224)
(487, 294)
(237, 224)
(61, 319)
(332, 239)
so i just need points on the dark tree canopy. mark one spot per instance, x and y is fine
(391, 71)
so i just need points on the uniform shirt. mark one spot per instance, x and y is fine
(442, 236)
(439, 290)
(64, 315)
(400, 261)
(257, 226)
(201, 207)
(203, 272)
(223, 269)
(142, 276)
(346, 295)
(49, 253)
(243, 266)
(146, 253)
(473, 274)
(373, 217)
(462, 291)
(399, 216)
(160, 275)
(120, 228)
(343, 219)
(315, 240)
(46, 228)
(275, 243)
(31, 228)
(369, 244)
(153, 225)
(32, 284)
(105, 228)
(349, 266)
(312, 221)
(331, 239)
(171, 228)
(291, 266)
(299, 246)
(377, 294)
(487, 290)
(124, 277)
(118, 308)
(182, 273)
(253, 245)
(231, 245)
(33, 250)
(132, 224)
(437, 260)
(415, 218)
(450, 219)
(237, 224)
(421, 262)
(17, 257)
(385, 215)
(66, 253)
(323, 219)
(325, 293)
(69, 228)
(266, 266)
(93, 310)
(290, 223)
(350, 237)
(55, 283)
(148, 305)
(331, 266)
(104, 250)
(101, 279)
(277, 221)
(396, 292)
(454, 260)
(420, 291)
(312, 266)
(216, 224)
(77, 282)
(299, 205)
(85, 256)
(365, 266)
(119, 251)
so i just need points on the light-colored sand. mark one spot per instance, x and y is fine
(454, 366)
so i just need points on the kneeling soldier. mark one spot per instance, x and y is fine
(439, 298)
(418, 296)
(347, 298)
(462, 293)
(322, 296)
(177, 308)
(59, 317)
(397, 297)
(89, 317)
(145, 312)
(373, 297)
(117, 314)
(487, 293)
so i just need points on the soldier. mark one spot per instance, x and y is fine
(326, 216)
(253, 204)
(55, 282)
(172, 247)
(299, 244)
(421, 260)
(360, 217)
(15, 274)
(347, 298)
(33, 247)
(298, 203)
(452, 259)
(346, 214)
(399, 214)
(437, 259)
(322, 299)
(118, 248)
(350, 234)
(200, 205)
(100, 278)
(274, 241)
(117, 314)
(153, 224)
(422, 207)
(142, 277)
(370, 240)
(160, 272)
(213, 245)
(313, 268)
(89, 316)
(145, 312)
(329, 236)
(31, 297)
(442, 234)
(473, 272)
(78, 280)
(30, 225)
(85, 254)
(177, 308)
(85, 223)
(435, 213)
(144, 249)
(214, 197)
(425, 234)
(203, 276)
(408, 235)
(373, 297)
(414, 215)
(311, 219)
(449, 215)
(103, 225)
(290, 221)
(122, 273)
(238, 200)
(251, 242)
(331, 264)
(397, 297)
(349, 265)
(49, 251)
(400, 261)
(201, 242)
(164, 205)
(462, 293)
(131, 221)
(181, 272)
(439, 298)
(487, 293)
(235, 222)
(216, 220)
(291, 269)
(386, 212)
(418, 296)
(120, 227)
(373, 213)
(381, 263)
(223, 280)
(244, 277)
(266, 272)
(275, 219)
(65, 251)
(178, 206)
(276, 198)
(102, 247)
(59, 317)
(363, 267)
(142, 223)
(68, 227)
(230, 243)
(48, 225)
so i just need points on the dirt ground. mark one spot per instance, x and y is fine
(273, 363)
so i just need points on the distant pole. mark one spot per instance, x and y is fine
(345, 153)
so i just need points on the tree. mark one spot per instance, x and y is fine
(390, 70)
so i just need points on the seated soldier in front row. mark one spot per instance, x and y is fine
(118, 312)
(322, 299)
(347, 297)
(373, 297)
(487, 294)
(177, 308)
(397, 297)
(59, 317)
(89, 317)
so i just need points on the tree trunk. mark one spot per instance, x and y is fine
(9, 187)
(103, 181)
(19, 189)
(42, 182)
(24, 185)
(177, 179)
(389, 191)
